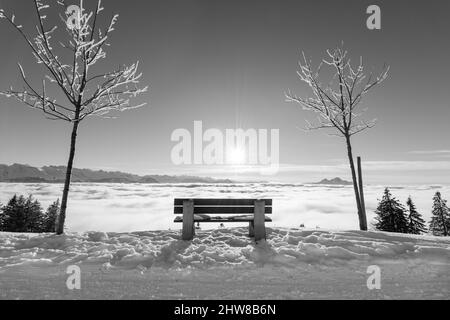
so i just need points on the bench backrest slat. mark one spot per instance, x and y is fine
(222, 202)
(223, 206)
(222, 210)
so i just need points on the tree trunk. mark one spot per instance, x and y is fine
(361, 191)
(62, 213)
(362, 218)
(444, 221)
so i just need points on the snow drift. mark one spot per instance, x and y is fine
(221, 247)
(225, 264)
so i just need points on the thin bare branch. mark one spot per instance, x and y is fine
(336, 104)
(88, 94)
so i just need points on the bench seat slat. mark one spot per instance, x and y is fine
(222, 210)
(222, 219)
(222, 202)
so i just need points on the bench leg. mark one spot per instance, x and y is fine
(259, 220)
(188, 220)
(251, 229)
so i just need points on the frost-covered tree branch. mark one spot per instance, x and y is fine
(88, 94)
(337, 104)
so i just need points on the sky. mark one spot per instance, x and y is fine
(228, 64)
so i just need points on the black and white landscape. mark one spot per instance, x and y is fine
(338, 113)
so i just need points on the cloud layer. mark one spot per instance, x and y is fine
(135, 207)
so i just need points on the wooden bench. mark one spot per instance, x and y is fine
(252, 211)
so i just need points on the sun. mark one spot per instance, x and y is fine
(236, 156)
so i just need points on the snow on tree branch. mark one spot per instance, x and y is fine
(336, 103)
(87, 94)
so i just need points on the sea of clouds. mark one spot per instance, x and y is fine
(138, 207)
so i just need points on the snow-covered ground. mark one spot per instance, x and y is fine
(221, 263)
(225, 264)
(131, 207)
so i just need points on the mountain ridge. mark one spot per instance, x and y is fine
(56, 174)
(334, 181)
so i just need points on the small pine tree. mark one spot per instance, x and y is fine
(22, 215)
(34, 215)
(13, 216)
(416, 225)
(50, 217)
(390, 214)
(440, 219)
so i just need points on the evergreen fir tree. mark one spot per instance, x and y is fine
(13, 215)
(50, 217)
(34, 216)
(22, 215)
(416, 225)
(440, 219)
(390, 214)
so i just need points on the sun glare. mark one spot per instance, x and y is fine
(236, 156)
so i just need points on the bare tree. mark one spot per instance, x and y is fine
(336, 103)
(70, 71)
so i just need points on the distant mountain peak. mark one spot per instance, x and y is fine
(334, 181)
